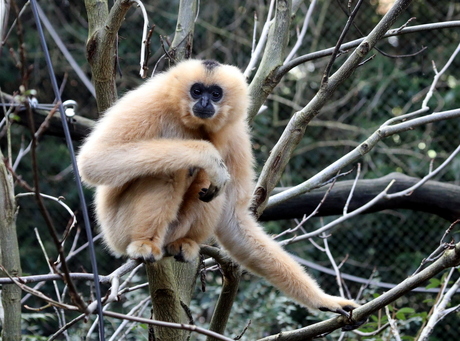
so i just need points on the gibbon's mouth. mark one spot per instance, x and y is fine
(204, 114)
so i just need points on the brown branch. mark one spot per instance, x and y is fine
(79, 126)
(101, 47)
(433, 197)
(345, 30)
(231, 273)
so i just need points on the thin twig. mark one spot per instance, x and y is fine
(145, 41)
(345, 30)
(393, 325)
(347, 203)
(168, 325)
(302, 33)
(438, 75)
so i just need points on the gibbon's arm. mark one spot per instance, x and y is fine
(117, 164)
(248, 244)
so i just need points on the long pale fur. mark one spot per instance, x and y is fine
(149, 157)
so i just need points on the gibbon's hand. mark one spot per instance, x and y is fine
(219, 180)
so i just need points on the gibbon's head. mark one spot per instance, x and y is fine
(210, 94)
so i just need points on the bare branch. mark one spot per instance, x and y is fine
(441, 310)
(358, 152)
(144, 44)
(451, 258)
(281, 153)
(182, 326)
(303, 32)
(354, 43)
(257, 51)
(437, 76)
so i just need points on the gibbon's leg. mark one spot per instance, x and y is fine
(245, 240)
(153, 206)
(117, 164)
(195, 223)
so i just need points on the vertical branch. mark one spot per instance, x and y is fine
(170, 289)
(273, 57)
(181, 46)
(101, 47)
(9, 252)
(231, 273)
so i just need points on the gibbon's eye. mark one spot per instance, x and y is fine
(196, 91)
(216, 93)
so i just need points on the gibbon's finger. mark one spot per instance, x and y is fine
(207, 194)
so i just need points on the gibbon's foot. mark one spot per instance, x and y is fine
(144, 249)
(353, 325)
(345, 309)
(183, 249)
(336, 304)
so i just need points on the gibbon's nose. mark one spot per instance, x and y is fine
(204, 101)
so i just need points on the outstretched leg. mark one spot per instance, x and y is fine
(247, 243)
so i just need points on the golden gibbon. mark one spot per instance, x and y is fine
(172, 165)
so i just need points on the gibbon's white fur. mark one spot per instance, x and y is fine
(168, 176)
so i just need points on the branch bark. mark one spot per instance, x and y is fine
(231, 273)
(9, 257)
(181, 46)
(171, 292)
(273, 57)
(101, 47)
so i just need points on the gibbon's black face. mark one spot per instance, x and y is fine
(205, 97)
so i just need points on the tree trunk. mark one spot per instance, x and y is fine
(171, 289)
(9, 257)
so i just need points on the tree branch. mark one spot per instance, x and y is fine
(281, 153)
(446, 205)
(450, 258)
(354, 43)
(272, 58)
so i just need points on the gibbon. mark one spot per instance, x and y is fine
(172, 165)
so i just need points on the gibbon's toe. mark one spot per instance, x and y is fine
(353, 325)
(183, 250)
(344, 307)
(144, 249)
(338, 305)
